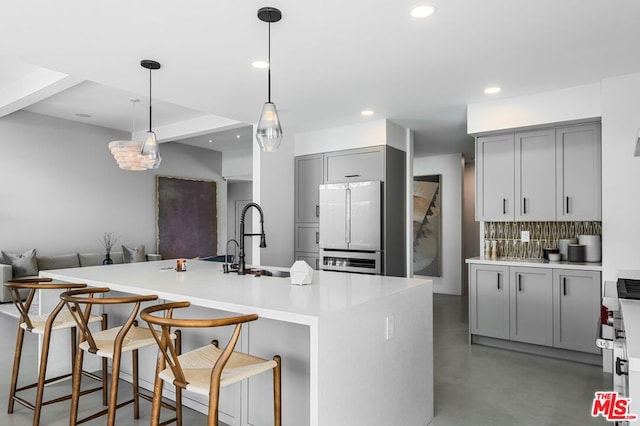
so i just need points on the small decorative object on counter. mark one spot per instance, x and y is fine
(181, 265)
(301, 273)
(576, 253)
(592, 247)
(108, 240)
(487, 248)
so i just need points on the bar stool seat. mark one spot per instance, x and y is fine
(197, 365)
(62, 321)
(136, 338)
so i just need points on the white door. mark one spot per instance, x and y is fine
(364, 222)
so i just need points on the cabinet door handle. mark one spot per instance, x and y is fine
(504, 206)
(317, 237)
(317, 210)
(519, 282)
(564, 286)
(524, 205)
(619, 363)
(351, 176)
(317, 264)
(498, 276)
(567, 204)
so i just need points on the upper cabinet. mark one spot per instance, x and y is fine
(579, 173)
(355, 165)
(535, 182)
(495, 177)
(550, 174)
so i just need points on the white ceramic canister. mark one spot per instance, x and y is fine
(563, 245)
(593, 247)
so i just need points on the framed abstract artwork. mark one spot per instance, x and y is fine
(427, 225)
(187, 220)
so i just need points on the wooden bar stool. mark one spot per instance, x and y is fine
(225, 365)
(58, 319)
(110, 344)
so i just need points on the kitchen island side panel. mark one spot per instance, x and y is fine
(361, 373)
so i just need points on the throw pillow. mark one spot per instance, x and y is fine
(22, 265)
(58, 262)
(133, 254)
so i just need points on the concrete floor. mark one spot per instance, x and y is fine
(474, 385)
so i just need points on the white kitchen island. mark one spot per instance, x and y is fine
(356, 349)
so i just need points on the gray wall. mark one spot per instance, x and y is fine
(62, 189)
(238, 191)
(276, 198)
(470, 228)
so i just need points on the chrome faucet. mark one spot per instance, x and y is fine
(225, 267)
(263, 243)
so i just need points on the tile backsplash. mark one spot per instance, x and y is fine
(506, 236)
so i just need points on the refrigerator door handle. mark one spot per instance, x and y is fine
(347, 209)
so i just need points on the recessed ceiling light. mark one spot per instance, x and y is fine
(82, 115)
(260, 64)
(367, 112)
(210, 140)
(238, 136)
(492, 90)
(422, 11)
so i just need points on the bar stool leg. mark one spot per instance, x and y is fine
(104, 367)
(44, 356)
(113, 392)
(136, 398)
(277, 391)
(75, 392)
(157, 391)
(16, 368)
(178, 388)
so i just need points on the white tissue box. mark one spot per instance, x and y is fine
(301, 273)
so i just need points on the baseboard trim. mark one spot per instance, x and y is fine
(582, 357)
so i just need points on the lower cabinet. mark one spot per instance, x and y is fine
(489, 301)
(312, 259)
(576, 309)
(549, 307)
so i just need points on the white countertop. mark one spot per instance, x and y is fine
(536, 263)
(631, 317)
(204, 284)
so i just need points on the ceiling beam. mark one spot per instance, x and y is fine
(193, 127)
(32, 88)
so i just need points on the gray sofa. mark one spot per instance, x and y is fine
(74, 260)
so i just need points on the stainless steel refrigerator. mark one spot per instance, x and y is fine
(351, 227)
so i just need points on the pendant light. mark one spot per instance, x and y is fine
(269, 131)
(127, 153)
(150, 153)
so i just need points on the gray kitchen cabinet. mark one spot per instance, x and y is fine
(355, 165)
(531, 305)
(535, 175)
(308, 177)
(576, 309)
(579, 173)
(307, 237)
(495, 178)
(489, 301)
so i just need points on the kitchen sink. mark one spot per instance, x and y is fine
(268, 273)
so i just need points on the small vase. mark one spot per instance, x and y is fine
(107, 260)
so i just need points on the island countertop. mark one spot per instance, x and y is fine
(204, 284)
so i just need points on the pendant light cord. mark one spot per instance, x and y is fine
(149, 99)
(269, 71)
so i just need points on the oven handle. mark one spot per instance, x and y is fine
(619, 363)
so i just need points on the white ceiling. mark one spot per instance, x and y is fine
(330, 59)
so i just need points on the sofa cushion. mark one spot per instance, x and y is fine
(90, 259)
(58, 262)
(23, 265)
(134, 254)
